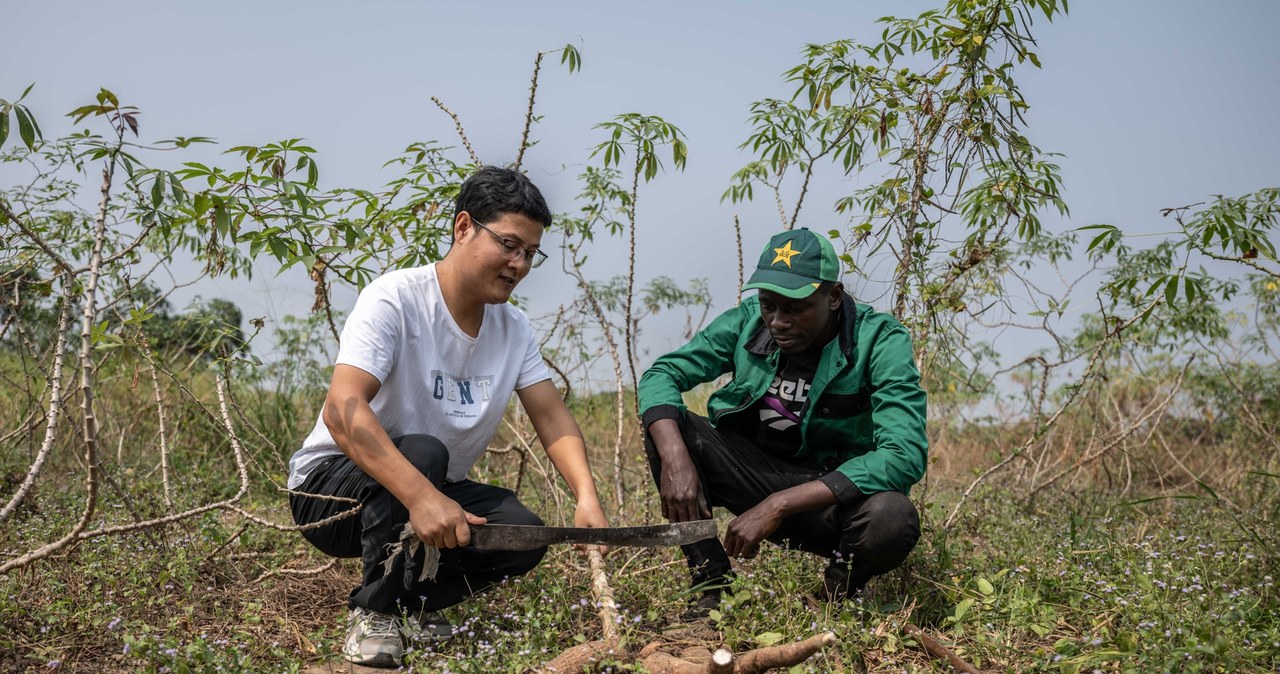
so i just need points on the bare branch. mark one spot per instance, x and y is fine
(461, 133)
(528, 115)
(55, 411)
(1039, 432)
(939, 651)
(1156, 409)
(59, 262)
(737, 235)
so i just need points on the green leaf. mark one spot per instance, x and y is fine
(571, 57)
(26, 127)
(39, 133)
(1208, 489)
(4, 127)
(222, 220)
(157, 191)
(179, 194)
(84, 111)
(769, 638)
(984, 586)
(105, 96)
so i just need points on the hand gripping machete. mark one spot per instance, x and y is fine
(525, 537)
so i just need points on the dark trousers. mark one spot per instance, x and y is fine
(862, 540)
(462, 571)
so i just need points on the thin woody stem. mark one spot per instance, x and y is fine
(89, 426)
(528, 115)
(629, 331)
(461, 133)
(737, 235)
(1089, 372)
(56, 402)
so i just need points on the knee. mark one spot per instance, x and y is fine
(892, 523)
(427, 454)
(520, 562)
(525, 561)
(524, 517)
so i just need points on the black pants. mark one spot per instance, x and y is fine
(862, 540)
(462, 571)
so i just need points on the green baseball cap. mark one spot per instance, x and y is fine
(794, 263)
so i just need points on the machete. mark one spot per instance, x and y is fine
(526, 537)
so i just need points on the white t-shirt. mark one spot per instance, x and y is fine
(435, 378)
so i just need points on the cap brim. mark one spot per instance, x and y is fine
(785, 284)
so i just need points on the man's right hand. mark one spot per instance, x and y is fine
(678, 482)
(441, 523)
(681, 491)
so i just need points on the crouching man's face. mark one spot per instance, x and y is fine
(498, 254)
(800, 325)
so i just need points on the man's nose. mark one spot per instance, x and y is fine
(519, 263)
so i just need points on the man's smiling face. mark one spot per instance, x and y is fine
(490, 274)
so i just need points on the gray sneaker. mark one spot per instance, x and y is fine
(427, 626)
(373, 639)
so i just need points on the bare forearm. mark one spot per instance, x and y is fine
(559, 434)
(359, 434)
(569, 456)
(668, 441)
(747, 530)
(801, 498)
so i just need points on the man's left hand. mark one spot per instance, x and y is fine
(747, 530)
(590, 514)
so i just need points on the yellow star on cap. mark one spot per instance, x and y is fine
(785, 253)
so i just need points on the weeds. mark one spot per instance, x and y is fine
(1077, 585)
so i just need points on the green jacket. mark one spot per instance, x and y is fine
(865, 417)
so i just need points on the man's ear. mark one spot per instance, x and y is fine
(836, 296)
(462, 224)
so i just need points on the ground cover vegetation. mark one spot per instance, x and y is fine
(1107, 503)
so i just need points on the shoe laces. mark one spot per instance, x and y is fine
(379, 624)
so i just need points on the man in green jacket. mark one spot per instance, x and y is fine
(815, 441)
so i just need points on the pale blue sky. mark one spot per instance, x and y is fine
(1154, 103)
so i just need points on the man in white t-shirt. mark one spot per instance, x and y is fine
(429, 358)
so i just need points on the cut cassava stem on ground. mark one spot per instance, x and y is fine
(574, 659)
(937, 650)
(696, 660)
(603, 594)
(706, 662)
(782, 655)
(723, 662)
(659, 662)
(577, 658)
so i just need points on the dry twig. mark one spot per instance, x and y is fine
(937, 650)
(462, 134)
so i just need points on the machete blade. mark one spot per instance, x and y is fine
(525, 537)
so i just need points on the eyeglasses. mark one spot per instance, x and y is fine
(512, 250)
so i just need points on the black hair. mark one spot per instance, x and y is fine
(492, 192)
